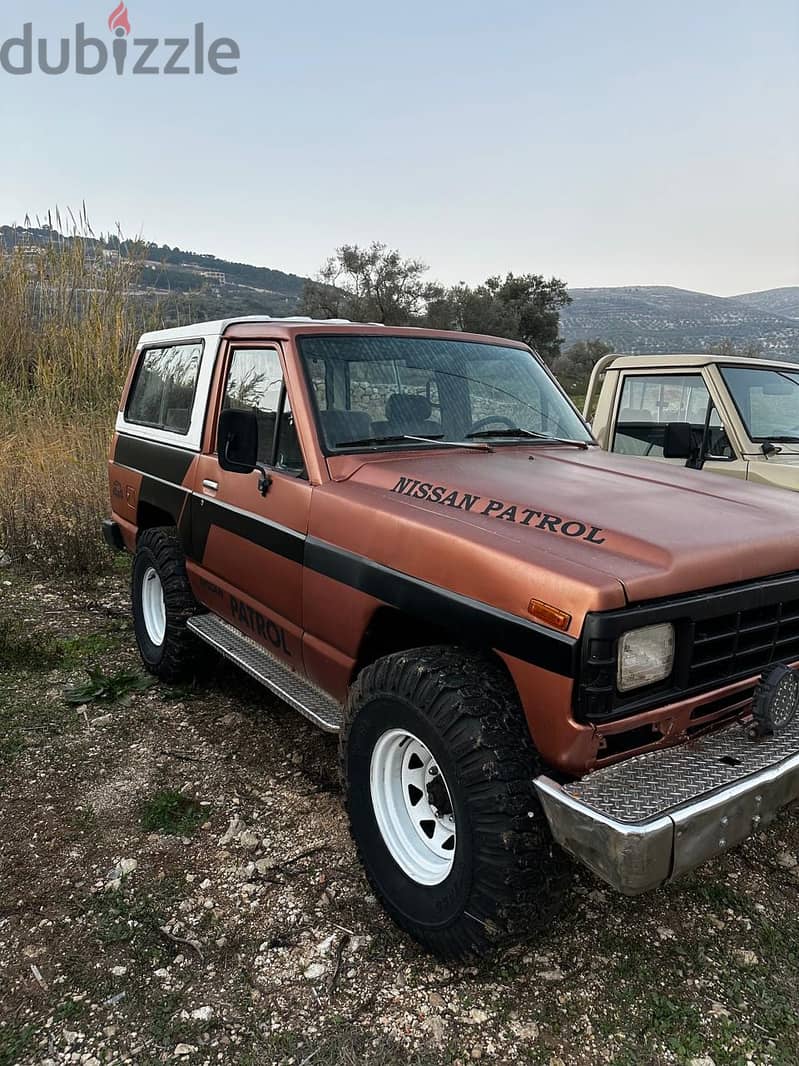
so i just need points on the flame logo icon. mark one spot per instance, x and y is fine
(119, 20)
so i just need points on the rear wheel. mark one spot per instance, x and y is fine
(438, 769)
(162, 605)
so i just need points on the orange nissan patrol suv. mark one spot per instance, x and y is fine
(528, 646)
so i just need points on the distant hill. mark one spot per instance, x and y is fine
(653, 319)
(201, 285)
(783, 302)
(637, 319)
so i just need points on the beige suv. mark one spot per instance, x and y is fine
(733, 416)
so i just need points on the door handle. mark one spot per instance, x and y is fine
(213, 486)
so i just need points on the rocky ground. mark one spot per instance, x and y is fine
(177, 885)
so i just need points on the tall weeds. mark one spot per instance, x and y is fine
(69, 320)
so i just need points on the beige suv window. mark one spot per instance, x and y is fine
(650, 401)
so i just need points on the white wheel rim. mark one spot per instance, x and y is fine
(153, 607)
(413, 807)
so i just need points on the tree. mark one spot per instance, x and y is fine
(735, 349)
(524, 307)
(373, 284)
(376, 284)
(573, 367)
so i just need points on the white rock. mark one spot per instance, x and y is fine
(477, 1016)
(315, 970)
(787, 860)
(326, 945)
(528, 1031)
(435, 1026)
(203, 1014)
(703, 1060)
(233, 831)
(249, 840)
(119, 971)
(182, 1051)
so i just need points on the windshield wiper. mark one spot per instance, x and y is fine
(398, 438)
(528, 434)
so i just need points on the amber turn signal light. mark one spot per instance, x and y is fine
(549, 616)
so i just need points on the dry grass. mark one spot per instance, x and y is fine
(54, 490)
(68, 324)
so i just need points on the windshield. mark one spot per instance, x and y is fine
(767, 401)
(370, 389)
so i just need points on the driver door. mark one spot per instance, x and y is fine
(250, 547)
(649, 401)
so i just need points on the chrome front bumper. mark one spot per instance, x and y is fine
(654, 817)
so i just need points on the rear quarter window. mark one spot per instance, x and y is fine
(162, 394)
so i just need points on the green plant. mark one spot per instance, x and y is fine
(170, 812)
(101, 687)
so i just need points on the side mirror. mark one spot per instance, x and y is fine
(237, 446)
(237, 441)
(678, 441)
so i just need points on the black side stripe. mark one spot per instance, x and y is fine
(206, 512)
(479, 623)
(159, 460)
(168, 498)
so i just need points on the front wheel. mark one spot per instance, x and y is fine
(438, 769)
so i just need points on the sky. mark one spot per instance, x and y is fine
(607, 143)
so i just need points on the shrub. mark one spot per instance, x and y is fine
(69, 320)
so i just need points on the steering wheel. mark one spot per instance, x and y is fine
(492, 418)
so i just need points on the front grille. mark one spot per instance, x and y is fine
(744, 643)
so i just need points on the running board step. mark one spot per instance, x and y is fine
(300, 694)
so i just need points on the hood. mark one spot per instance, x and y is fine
(656, 529)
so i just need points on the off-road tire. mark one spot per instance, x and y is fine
(176, 657)
(508, 877)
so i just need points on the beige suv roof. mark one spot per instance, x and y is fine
(627, 362)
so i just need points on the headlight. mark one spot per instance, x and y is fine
(645, 656)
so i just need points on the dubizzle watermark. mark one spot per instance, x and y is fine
(124, 54)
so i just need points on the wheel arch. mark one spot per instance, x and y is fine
(391, 630)
(150, 515)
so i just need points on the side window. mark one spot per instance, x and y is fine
(162, 395)
(255, 383)
(649, 402)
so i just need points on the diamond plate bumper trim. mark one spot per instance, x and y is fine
(646, 786)
(681, 807)
(300, 694)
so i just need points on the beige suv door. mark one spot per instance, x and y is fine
(648, 400)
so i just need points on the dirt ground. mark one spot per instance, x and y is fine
(177, 883)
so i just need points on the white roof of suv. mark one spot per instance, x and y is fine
(218, 327)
